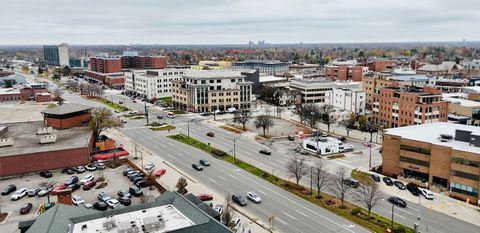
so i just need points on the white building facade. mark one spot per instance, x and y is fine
(346, 99)
(152, 84)
(314, 90)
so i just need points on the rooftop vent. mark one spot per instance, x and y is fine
(44, 130)
(4, 142)
(48, 139)
(109, 224)
(127, 227)
(446, 136)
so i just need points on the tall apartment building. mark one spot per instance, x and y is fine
(443, 156)
(401, 106)
(265, 67)
(345, 72)
(152, 83)
(314, 90)
(210, 90)
(56, 55)
(346, 99)
(143, 62)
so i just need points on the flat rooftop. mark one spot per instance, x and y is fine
(458, 98)
(26, 140)
(430, 133)
(198, 74)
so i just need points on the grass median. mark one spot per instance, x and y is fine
(351, 211)
(113, 105)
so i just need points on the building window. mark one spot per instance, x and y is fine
(415, 161)
(415, 149)
(463, 189)
(464, 175)
(466, 162)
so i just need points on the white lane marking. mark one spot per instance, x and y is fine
(170, 144)
(277, 218)
(179, 154)
(301, 213)
(169, 155)
(188, 153)
(156, 147)
(405, 211)
(466, 211)
(398, 215)
(289, 216)
(213, 180)
(221, 177)
(231, 176)
(260, 191)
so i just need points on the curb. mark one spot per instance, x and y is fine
(182, 173)
(256, 221)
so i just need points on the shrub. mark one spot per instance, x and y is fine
(355, 211)
(218, 152)
(400, 229)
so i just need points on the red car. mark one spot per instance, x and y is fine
(58, 188)
(25, 209)
(205, 197)
(160, 172)
(89, 185)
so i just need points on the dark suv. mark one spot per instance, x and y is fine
(239, 199)
(135, 191)
(413, 189)
(351, 182)
(397, 201)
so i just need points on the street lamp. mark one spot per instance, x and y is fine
(393, 207)
(234, 142)
(188, 128)
(370, 157)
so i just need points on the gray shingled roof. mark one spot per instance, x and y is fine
(66, 109)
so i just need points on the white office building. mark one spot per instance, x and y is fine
(152, 83)
(346, 99)
(314, 90)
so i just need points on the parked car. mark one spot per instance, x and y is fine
(375, 177)
(19, 194)
(100, 166)
(58, 188)
(46, 174)
(238, 199)
(205, 114)
(427, 194)
(79, 169)
(387, 181)
(291, 137)
(25, 209)
(254, 197)
(125, 201)
(141, 183)
(9, 189)
(235, 223)
(135, 191)
(160, 172)
(211, 134)
(87, 205)
(218, 208)
(103, 196)
(413, 189)
(77, 200)
(137, 179)
(397, 201)
(91, 167)
(160, 117)
(149, 166)
(43, 192)
(136, 176)
(399, 184)
(204, 162)
(71, 180)
(68, 170)
(73, 186)
(122, 193)
(112, 203)
(205, 197)
(351, 182)
(87, 178)
(197, 167)
(100, 205)
(134, 173)
(33, 192)
(126, 171)
(90, 184)
(265, 152)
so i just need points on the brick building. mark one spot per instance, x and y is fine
(23, 93)
(344, 72)
(66, 116)
(401, 106)
(441, 156)
(380, 65)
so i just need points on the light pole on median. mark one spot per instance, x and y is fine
(370, 157)
(393, 207)
(234, 142)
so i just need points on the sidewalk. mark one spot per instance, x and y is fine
(169, 180)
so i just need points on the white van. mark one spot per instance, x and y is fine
(231, 110)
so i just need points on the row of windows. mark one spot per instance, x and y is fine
(227, 94)
(466, 162)
(463, 189)
(464, 175)
(226, 100)
(414, 161)
(415, 149)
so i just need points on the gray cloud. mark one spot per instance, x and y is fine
(236, 21)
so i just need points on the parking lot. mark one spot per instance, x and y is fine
(114, 177)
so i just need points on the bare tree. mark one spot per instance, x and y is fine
(340, 188)
(320, 177)
(47, 185)
(279, 110)
(310, 114)
(326, 116)
(103, 119)
(348, 123)
(181, 184)
(369, 195)
(57, 95)
(242, 117)
(297, 167)
(264, 122)
(228, 213)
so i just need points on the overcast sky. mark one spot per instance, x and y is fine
(236, 21)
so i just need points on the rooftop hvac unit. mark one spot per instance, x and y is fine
(153, 223)
(109, 224)
(127, 227)
(48, 139)
(44, 130)
(4, 142)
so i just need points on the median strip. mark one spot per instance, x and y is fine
(351, 212)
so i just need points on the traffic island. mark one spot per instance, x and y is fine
(349, 210)
(155, 126)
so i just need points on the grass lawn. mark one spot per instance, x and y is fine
(178, 111)
(350, 211)
(336, 156)
(161, 128)
(51, 105)
(362, 177)
(113, 105)
(166, 100)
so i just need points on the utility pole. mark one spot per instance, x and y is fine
(311, 180)
(188, 129)
(370, 157)
(393, 206)
(146, 111)
(417, 223)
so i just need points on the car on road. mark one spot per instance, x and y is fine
(375, 177)
(68, 170)
(77, 200)
(19, 194)
(387, 181)
(397, 201)
(265, 152)
(33, 192)
(239, 199)
(160, 172)
(135, 191)
(412, 188)
(71, 180)
(87, 178)
(351, 182)
(103, 196)
(88, 185)
(25, 209)
(122, 193)
(149, 166)
(254, 197)
(160, 117)
(399, 184)
(113, 203)
(58, 188)
(211, 134)
(46, 174)
(100, 205)
(197, 167)
(205, 197)
(291, 137)
(427, 194)
(125, 201)
(79, 169)
(218, 208)
(204, 162)
(91, 167)
(73, 186)
(9, 189)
